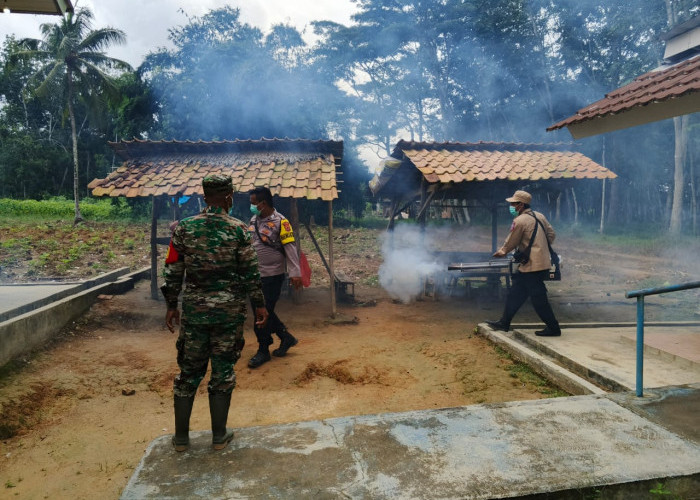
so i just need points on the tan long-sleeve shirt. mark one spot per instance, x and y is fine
(520, 235)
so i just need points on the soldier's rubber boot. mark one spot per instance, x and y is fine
(288, 341)
(183, 410)
(218, 409)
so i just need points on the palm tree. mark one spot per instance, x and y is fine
(71, 59)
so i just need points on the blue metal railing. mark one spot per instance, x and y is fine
(640, 294)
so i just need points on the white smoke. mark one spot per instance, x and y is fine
(407, 263)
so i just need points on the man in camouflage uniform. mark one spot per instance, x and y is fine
(213, 253)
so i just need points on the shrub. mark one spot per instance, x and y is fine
(62, 208)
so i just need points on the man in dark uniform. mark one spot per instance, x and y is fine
(212, 251)
(273, 240)
(529, 280)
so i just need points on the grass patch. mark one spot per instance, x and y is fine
(527, 376)
(56, 248)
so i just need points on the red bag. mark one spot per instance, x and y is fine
(305, 270)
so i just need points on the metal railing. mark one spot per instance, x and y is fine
(640, 294)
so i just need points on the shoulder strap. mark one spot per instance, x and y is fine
(545, 236)
(264, 242)
(552, 253)
(532, 239)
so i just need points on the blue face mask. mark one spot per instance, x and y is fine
(513, 211)
(254, 209)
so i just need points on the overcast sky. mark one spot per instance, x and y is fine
(146, 22)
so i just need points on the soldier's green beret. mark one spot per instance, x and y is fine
(217, 184)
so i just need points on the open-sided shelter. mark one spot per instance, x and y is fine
(291, 168)
(482, 172)
(672, 89)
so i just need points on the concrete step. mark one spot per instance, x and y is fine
(605, 354)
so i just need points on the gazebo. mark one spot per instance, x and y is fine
(481, 172)
(295, 169)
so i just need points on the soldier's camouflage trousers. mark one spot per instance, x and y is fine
(196, 344)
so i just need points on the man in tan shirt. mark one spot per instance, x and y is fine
(529, 280)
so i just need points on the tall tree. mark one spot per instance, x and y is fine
(71, 61)
(674, 11)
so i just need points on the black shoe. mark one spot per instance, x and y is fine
(260, 358)
(498, 325)
(548, 332)
(288, 341)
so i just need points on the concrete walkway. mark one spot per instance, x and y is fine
(481, 451)
(557, 446)
(32, 314)
(16, 299)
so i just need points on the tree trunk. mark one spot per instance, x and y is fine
(71, 114)
(680, 128)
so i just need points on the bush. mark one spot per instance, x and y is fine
(62, 208)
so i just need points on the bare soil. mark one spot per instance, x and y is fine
(76, 418)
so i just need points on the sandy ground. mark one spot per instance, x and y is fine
(77, 417)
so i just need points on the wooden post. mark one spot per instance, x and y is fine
(294, 219)
(494, 227)
(330, 257)
(154, 248)
(601, 230)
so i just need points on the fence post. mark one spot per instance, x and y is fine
(640, 345)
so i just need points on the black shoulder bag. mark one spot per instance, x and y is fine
(523, 257)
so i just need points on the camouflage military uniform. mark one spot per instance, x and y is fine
(213, 253)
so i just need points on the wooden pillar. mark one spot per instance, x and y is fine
(154, 248)
(294, 219)
(494, 227)
(330, 257)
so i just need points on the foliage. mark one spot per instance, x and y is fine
(70, 64)
(447, 70)
(53, 247)
(527, 376)
(61, 208)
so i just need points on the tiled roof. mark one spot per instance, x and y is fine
(488, 161)
(293, 168)
(454, 163)
(653, 87)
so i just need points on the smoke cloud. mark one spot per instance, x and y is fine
(407, 262)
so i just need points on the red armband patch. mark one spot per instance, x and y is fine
(172, 256)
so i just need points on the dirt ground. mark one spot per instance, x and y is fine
(77, 417)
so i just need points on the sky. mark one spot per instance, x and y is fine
(146, 22)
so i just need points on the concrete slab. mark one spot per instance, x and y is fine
(680, 344)
(482, 451)
(609, 352)
(34, 322)
(19, 298)
(15, 296)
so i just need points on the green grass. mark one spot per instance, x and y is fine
(62, 208)
(527, 376)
